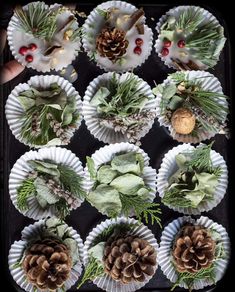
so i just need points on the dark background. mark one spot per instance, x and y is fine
(84, 144)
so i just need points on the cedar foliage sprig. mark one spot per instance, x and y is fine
(25, 190)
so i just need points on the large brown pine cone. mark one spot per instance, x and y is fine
(47, 264)
(194, 249)
(111, 43)
(129, 259)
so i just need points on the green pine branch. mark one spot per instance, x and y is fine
(25, 190)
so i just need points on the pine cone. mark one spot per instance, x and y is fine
(111, 43)
(47, 264)
(129, 258)
(194, 249)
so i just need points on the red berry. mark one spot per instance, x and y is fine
(164, 52)
(137, 50)
(23, 51)
(32, 47)
(166, 43)
(29, 58)
(181, 44)
(139, 42)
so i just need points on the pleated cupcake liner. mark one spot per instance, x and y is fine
(101, 132)
(18, 38)
(106, 282)
(208, 83)
(93, 26)
(17, 250)
(169, 166)
(106, 153)
(21, 169)
(177, 11)
(14, 110)
(168, 236)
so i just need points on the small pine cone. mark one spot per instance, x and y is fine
(129, 258)
(194, 249)
(47, 264)
(111, 43)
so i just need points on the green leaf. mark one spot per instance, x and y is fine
(73, 247)
(168, 91)
(106, 174)
(175, 102)
(67, 115)
(44, 167)
(26, 102)
(106, 199)
(91, 167)
(42, 189)
(97, 251)
(126, 163)
(41, 201)
(99, 96)
(158, 89)
(127, 183)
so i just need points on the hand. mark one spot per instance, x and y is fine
(11, 69)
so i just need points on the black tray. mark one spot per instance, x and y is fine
(156, 143)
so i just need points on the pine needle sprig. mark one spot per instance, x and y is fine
(93, 270)
(189, 278)
(71, 181)
(25, 190)
(142, 209)
(200, 159)
(37, 20)
(189, 20)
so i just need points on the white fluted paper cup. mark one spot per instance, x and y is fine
(208, 83)
(108, 134)
(176, 12)
(14, 110)
(21, 169)
(18, 38)
(106, 153)
(92, 27)
(168, 168)
(106, 282)
(17, 250)
(165, 250)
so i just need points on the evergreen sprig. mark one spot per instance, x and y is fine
(37, 20)
(93, 270)
(71, 181)
(143, 209)
(25, 190)
(190, 278)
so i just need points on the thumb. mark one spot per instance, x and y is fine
(10, 70)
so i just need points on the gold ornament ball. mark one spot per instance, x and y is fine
(183, 121)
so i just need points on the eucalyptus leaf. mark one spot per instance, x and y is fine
(106, 199)
(127, 184)
(29, 93)
(44, 167)
(97, 251)
(44, 191)
(99, 96)
(41, 201)
(143, 193)
(106, 174)
(67, 115)
(26, 102)
(126, 163)
(61, 230)
(54, 141)
(91, 167)
(168, 91)
(158, 89)
(175, 102)
(73, 247)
